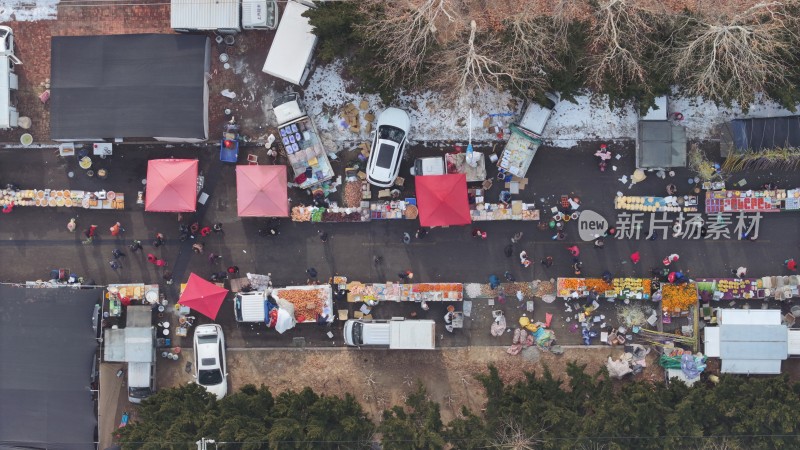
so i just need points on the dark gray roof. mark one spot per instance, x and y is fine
(129, 86)
(765, 133)
(660, 144)
(47, 346)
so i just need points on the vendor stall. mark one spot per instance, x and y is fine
(332, 214)
(729, 288)
(519, 151)
(751, 201)
(442, 200)
(676, 299)
(63, 198)
(261, 191)
(473, 167)
(310, 302)
(172, 185)
(686, 203)
(398, 292)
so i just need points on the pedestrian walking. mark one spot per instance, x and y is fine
(90, 233)
(71, 225)
(136, 245)
(167, 276)
(116, 229)
(115, 265)
(404, 275)
(205, 231)
(635, 257)
(159, 241)
(741, 272)
(161, 263)
(508, 250)
(574, 251)
(377, 260)
(197, 247)
(323, 236)
(508, 276)
(8, 208)
(233, 270)
(217, 227)
(213, 257)
(117, 253)
(599, 243)
(406, 238)
(516, 238)
(312, 272)
(520, 296)
(524, 260)
(611, 232)
(671, 259)
(560, 236)
(547, 261)
(151, 258)
(421, 232)
(478, 233)
(576, 267)
(790, 264)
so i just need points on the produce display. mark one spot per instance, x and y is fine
(309, 301)
(352, 194)
(678, 297)
(62, 198)
(632, 287)
(727, 288)
(397, 292)
(598, 285)
(656, 204)
(567, 286)
(333, 214)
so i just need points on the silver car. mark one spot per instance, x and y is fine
(388, 144)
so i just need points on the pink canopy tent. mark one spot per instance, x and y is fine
(203, 296)
(171, 185)
(442, 200)
(261, 191)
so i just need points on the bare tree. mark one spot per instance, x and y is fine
(731, 58)
(406, 30)
(619, 40)
(512, 436)
(471, 64)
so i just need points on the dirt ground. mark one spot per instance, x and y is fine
(380, 379)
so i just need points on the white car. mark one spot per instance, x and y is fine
(211, 369)
(388, 144)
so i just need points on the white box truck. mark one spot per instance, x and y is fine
(290, 55)
(396, 334)
(526, 137)
(223, 16)
(9, 117)
(141, 380)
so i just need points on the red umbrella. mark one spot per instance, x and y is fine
(203, 296)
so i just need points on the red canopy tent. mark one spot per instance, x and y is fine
(442, 200)
(171, 185)
(261, 191)
(203, 296)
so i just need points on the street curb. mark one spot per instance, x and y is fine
(341, 348)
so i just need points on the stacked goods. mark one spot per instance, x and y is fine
(308, 303)
(676, 298)
(598, 285)
(625, 285)
(301, 214)
(352, 194)
(568, 286)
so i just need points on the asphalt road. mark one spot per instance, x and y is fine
(35, 240)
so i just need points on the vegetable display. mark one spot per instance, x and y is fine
(678, 297)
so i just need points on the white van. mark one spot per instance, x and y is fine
(223, 16)
(141, 380)
(396, 334)
(9, 117)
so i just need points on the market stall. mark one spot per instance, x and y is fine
(398, 292)
(63, 198)
(442, 200)
(481, 209)
(729, 288)
(332, 214)
(171, 185)
(519, 151)
(310, 302)
(261, 191)
(473, 167)
(202, 296)
(676, 299)
(618, 289)
(752, 201)
(686, 203)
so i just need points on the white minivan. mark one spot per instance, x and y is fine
(9, 117)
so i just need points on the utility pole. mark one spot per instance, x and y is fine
(203, 442)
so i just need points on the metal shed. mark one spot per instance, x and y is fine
(660, 144)
(748, 341)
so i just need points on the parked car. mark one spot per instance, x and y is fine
(388, 144)
(211, 369)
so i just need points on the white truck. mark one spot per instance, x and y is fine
(223, 16)
(302, 142)
(396, 334)
(290, 55)
(9, 117)
(526, 137)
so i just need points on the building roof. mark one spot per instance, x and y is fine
(765, 133)
(748, 341)
(660, 144)
(47, 347)
(129, 86)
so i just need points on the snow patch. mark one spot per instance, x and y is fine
(28, 10)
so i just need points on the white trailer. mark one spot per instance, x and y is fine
(223, 16)
(289, 57)
(396, 334)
